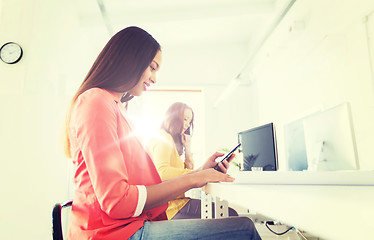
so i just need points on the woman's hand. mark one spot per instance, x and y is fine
(186, 141)
(188, 161)
(188, 164)
(211, 162)
(158, 194)
(210, 175)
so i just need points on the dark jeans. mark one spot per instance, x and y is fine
(192, 210)
(233, 228)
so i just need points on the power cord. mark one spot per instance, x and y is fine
(267, 223)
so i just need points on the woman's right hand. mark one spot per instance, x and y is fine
(210, 175)
(186, 141)
(170, 189)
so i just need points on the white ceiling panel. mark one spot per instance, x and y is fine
(226, 29)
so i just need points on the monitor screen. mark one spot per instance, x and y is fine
(294, 142)
(330, 140)
(258, 148)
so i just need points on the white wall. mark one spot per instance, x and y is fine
(33, 102)
(323, 64)
(236, 113)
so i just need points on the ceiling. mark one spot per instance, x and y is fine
(232, 28)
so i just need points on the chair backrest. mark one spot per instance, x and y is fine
(57, 230)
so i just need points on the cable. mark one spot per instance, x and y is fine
(267, 223)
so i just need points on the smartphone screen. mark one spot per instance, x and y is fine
(227, 157)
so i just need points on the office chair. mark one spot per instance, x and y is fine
(56, 219)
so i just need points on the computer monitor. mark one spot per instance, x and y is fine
(294, 143)
(330, 140)
(258, 149)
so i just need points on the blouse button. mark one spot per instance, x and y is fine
(149, 215)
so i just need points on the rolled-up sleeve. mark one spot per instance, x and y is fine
(97, 137)
(142, 190)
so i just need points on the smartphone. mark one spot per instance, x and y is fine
(227, 157)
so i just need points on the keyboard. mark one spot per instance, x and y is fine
(345, 178)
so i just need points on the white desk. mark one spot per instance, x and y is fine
(333, 212)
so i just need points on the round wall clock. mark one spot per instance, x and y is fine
(11, 52)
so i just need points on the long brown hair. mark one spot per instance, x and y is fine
(173, 123)
(118, 67)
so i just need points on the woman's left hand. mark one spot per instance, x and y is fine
(211, 162)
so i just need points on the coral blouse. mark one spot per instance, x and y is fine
(112, 170)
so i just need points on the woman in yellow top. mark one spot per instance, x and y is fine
(167, 151)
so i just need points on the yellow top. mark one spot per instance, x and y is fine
(169, 165)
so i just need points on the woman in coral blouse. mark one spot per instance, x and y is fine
(118, 192)
(167, 150)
